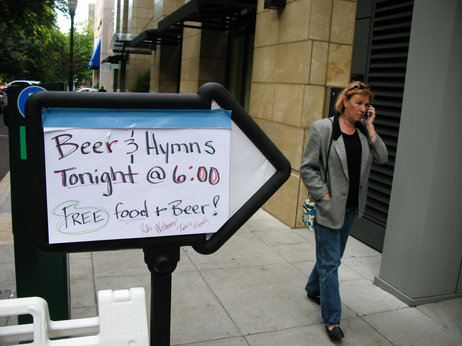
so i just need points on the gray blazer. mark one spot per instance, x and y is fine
(331, 212)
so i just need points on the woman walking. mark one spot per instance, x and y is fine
(335, 169)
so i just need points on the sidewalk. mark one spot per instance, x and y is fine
(251, 292)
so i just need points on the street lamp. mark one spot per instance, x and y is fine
(72, 4)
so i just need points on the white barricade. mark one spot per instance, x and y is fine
(122, 320)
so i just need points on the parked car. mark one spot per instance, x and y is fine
(2, 97)
(4, 89)
(85, 90)
(22, 82)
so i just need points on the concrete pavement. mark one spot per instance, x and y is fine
(4, 145)
(251, 292)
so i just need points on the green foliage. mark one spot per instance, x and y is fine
(83, 48)
(23, 33)
(55, 57)
(32, 47)
(28, 13)
(142, 82)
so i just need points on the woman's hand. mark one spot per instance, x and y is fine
(326, 196)
(369, 122)
(371, 116)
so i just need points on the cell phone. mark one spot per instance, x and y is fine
(366, 115)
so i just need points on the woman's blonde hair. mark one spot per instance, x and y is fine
(351, 90)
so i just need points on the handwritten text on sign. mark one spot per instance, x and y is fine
(119, 183)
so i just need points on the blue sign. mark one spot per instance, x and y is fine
(22, 98)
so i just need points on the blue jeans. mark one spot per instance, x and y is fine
(323, 280)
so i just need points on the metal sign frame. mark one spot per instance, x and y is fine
(206, 95)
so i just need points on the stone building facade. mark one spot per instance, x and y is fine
(115, 19)
(139, 16)
(282, 67)
(278, 67)
(103, 29)
(297, 52)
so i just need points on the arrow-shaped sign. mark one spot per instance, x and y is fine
(129, 170)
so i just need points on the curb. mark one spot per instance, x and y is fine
(4, 192)
(6, 231)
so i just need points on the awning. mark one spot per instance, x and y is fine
(208, 14)
(154, 37)
(113, 59)
(120, 43)
(94, 62)
(212, 14)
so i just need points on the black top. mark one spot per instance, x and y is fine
(353, 152)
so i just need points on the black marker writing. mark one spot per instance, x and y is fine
(66, 148)
(153, 147)
(88, 178)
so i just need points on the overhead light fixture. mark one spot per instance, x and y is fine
(275, 4)
(72, 5)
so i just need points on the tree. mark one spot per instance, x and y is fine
(32, 47)
(24, 30)
(55, 57)
(23, 13)
(83, 49)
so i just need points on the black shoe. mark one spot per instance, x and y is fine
(315, 298)
(336, 334)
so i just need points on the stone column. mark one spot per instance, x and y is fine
(203, 59)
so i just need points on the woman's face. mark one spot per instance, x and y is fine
(356, 107)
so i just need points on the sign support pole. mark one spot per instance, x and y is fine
(257, 161)
(161, 262)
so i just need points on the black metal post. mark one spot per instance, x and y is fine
(71, 55)
(37, 274)
(161, 263)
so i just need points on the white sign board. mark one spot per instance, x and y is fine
(135, 173)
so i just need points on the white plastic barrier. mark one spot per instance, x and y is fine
(122, 320)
